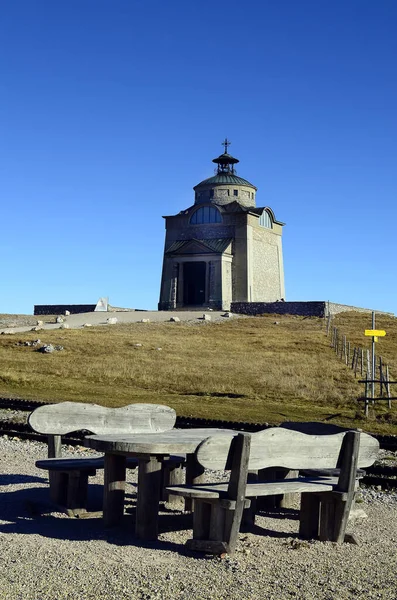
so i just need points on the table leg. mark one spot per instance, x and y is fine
(149, 493)
(194, 474)
(114, 488)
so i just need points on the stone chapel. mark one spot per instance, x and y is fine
(223, 248)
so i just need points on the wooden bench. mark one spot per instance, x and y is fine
(325, 502)
(69, 476)
(310, 428)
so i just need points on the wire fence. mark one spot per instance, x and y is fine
(360, 361)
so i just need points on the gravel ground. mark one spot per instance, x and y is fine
(46, 555)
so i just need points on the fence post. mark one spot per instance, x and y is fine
(388, 386)
(380, 376)
(366, 395)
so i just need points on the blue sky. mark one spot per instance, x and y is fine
(111, 111)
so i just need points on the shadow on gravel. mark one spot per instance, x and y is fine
(15, 479)
(29, 512)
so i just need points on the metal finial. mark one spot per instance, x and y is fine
(226, 143)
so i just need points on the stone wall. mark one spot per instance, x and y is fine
(59, 309)
(312, 309)
(306, 309)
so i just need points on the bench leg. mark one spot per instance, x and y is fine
(309, 516)
(334, 517)
(289, 500)
(77, 491)
(194, 475)
(114, 489)
(249, 514)
(173, 475)
(201, 520)
(58, 487)
(149, 494)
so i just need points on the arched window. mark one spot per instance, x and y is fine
(265, 220)
(206, 214)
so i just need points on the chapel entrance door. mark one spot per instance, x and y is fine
(193, 283)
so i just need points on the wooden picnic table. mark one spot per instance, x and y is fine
(151, 449)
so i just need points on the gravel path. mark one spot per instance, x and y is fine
(46, 555)
(10, 324)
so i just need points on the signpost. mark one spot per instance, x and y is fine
(375, 334)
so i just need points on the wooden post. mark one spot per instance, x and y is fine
(355, 361)
(346, 483)
(114, 488)
(388, 386)
(370, 375)
(194, 475)
(328, 324)
(366, 395)
(149, 492)
(380, 377)
(362, 361)
(58, 481)
(348, 354)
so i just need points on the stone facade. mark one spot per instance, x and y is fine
(223, 248)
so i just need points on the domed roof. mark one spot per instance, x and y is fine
(226, 172)
(224, 179)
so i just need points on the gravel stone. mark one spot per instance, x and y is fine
(47, 555)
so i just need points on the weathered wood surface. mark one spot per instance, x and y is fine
(183, 441)
(313, 427)
(67, 417)
(326, 501)
(70, 464)
(253, 490)
(279, 447)
(151, 449)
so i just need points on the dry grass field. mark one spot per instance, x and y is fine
(249, 369)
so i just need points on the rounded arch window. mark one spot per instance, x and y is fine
(206, 214)
(265, 220)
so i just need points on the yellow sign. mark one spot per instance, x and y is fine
(375, 332)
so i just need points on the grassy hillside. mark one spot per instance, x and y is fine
(248, 369)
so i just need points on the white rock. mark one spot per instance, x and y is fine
(144, 321)
(111, 320)
(158, 348)
(228, 315)
(40, 323)
(137, 345)
(175, 319)
(59, 320)
(87, 325)
(206, 317)
(67, 313)
(65, 326)
(36, 328)
(8, 332)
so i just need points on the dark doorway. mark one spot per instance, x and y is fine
(194, 283)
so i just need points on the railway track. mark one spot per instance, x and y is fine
(379, 475)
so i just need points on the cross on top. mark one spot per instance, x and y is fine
(226, 143)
